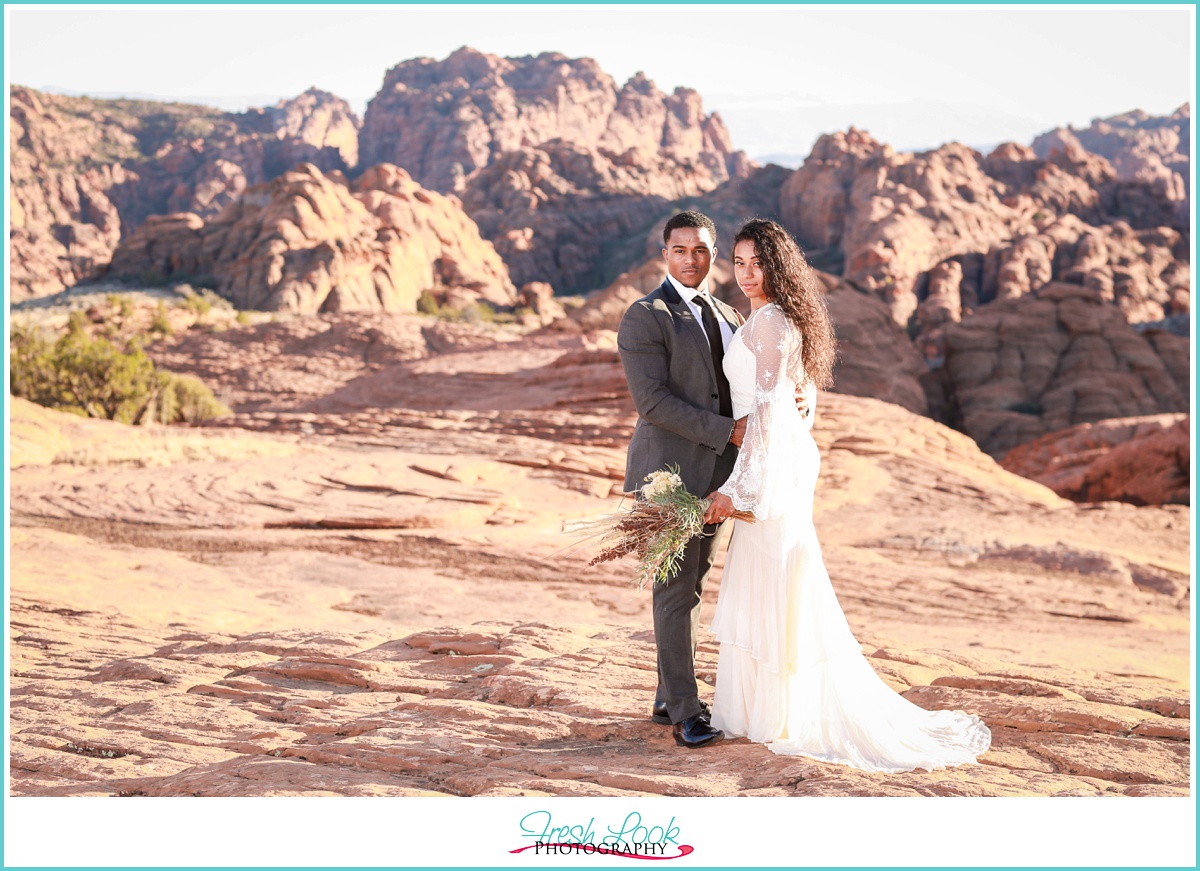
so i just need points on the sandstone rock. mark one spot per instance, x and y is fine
(1021, 368)
(1154, 151)
(471, 711)
(308, 242)
(64, 226)
(505, 104)
(87, 172)
(550, 157)
(1012, 221)
(875, 357)
(309, 126)
(1142, 460)
(1143, 271)
(538, 297)
(893, 216)
(554, 210)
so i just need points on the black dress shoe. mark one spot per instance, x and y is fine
(660, 715)
(696, 732)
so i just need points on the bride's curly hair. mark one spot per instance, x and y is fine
(790, 283)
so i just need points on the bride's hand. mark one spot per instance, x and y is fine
(719, 509)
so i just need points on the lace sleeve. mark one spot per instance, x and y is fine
(774, 343)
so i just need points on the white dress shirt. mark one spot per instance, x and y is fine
(689, 295)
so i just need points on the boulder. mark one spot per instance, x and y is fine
(1141, 460)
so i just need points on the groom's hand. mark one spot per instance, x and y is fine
(801, 401)
(739, 432)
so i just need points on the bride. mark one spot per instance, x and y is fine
(790, 674)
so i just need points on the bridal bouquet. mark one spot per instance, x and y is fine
(655, 529)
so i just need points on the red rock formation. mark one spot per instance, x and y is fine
(87, 172)
(1020, 368)
(893, 216)
(554, 211)
(1012, 221)
(308, 242)
(310, 125)
(1153, 151)
(64, 226)
(446, 120)
(876, 358)
(554, 162)
(1142, 460)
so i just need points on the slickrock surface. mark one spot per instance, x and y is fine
(87, 172)
(1141, 460)
(382, 601)
(308, 242)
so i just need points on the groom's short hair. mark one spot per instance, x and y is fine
(689, 219)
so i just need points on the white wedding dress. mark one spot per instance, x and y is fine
(790, 673)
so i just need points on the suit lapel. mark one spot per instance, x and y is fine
(690, 325)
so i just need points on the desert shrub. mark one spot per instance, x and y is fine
(191, 401)
(196, 303)
(243, 318)
(427, 304)
(97, 378)
(201, 302)
(161, 323)
(120, 303)
(475, 313)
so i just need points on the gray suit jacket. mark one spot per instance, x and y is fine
(670, 373)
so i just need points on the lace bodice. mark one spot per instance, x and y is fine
(764, 365)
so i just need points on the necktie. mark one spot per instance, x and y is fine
(717, 348)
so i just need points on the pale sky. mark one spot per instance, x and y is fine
(779, 75)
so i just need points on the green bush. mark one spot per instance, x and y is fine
(120, 303)
(201, 302)
(96, 378)
(476, 313)
(161, 323)
(427, 304)
(192, 401)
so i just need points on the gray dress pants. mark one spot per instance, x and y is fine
(677, 613)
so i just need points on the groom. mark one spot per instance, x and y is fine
(672, 342)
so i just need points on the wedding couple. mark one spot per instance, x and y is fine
(732, 403)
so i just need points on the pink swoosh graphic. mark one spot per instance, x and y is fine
(601, 850)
